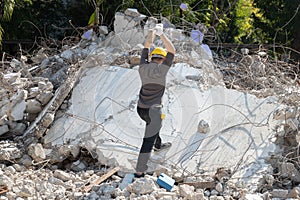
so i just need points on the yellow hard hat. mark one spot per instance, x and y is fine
(158, 52)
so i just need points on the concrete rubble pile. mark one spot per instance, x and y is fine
(64, 112)
(22, 99)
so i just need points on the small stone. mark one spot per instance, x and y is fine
(103, 30)
(132, 12)
(18, 167)
(45, 97)
(279, 193)
(203, 127)
(142, 186)
(294, 193)
(245, 51)
(26, 160)
(63, 175)
(78, 166)
(219, 187)
(37, 152)
(186, 190)
(5, 181)
(10, 170)
(3, 129)
(214, 192)
(33, 106)
(17, 128)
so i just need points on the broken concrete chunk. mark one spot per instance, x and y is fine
(294, 193)
(3, 129)
(69, 150)
(279, 193)
(103, 30)
(284, 114)
(119, 22)
(14, 63)
(17, 112)
(37, 152)
(9, 151)
(132, 12)
(67, 54)
(78, 166)
(175, 34)
(4, 105)
(219, 187)
(5, 181)
(10, 170)
(142, 186)
(186, 190)
(33, 92)
(17, 128)
(45, 86)
(288, 170)
(16, 108)
(12, 77)
(269, 179)
(203, 127)
(33, 106)
(244, 51)
(24, 190)
(63, 175)
(150, 24)
(44, 97)
(122, 23)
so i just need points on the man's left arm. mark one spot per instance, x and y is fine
(170, 49)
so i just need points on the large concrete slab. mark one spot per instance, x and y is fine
(103, 119)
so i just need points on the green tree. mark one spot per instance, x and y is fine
(282, 28)
(245, 12)
(6, 11)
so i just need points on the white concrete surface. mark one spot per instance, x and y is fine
(105, 122)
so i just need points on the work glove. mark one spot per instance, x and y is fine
(159, 29)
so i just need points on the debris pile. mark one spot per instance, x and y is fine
(18, 181)
(257, 73)
(37, 93)
(22, 99)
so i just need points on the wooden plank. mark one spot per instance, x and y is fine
(101, 179)
(3, 189)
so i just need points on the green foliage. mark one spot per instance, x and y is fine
(92, 19)
(6, 14)
(242, 21)
(245, 12)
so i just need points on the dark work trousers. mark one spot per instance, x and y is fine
(152, 117)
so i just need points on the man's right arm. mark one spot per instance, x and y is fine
(147, 44)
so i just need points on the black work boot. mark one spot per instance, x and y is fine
(162, 146)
